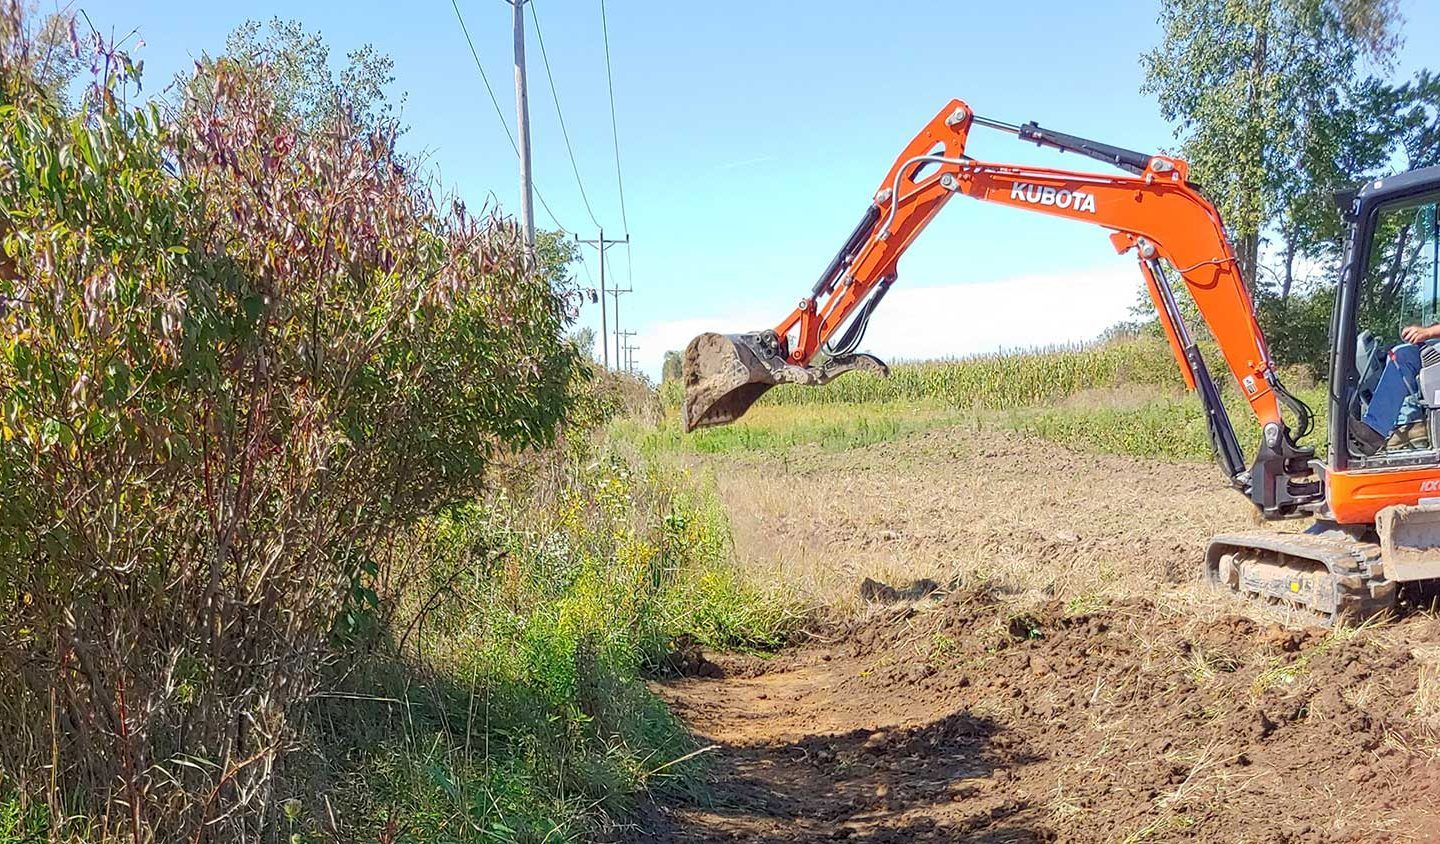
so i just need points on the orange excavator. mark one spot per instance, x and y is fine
(1376, 505)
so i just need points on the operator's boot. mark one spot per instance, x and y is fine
(1366, 439)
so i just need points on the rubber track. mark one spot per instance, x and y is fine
(1354, 566)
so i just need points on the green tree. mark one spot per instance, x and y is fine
(1269, 107)
(1346, 139)
(671, 369)
(1414, 110)
(304, 87)
(555, 253)
(583, 339)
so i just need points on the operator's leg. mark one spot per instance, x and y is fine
(1396, 382)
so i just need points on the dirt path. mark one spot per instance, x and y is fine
(1071, 686)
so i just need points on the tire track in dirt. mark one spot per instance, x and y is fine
(1073, 686)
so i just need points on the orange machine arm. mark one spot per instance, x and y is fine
(1154, 212)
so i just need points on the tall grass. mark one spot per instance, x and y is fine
(1172, 428)
(1123, 396)
(770, 428)
(999, 379)
(516, 710)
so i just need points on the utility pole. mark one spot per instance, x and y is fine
(616, 292)
(601, 244)
(522, 126)
(627, 350)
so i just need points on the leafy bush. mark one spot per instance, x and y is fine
(1297, 327)
(236, 358)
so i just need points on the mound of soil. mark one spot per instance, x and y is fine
(977, 718)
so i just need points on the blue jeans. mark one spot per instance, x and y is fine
(1396, 384)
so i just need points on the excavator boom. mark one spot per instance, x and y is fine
(1151, 210)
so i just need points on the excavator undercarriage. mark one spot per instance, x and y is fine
(1336, 572)
(1330, 572)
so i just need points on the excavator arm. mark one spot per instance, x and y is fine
(1151, 210)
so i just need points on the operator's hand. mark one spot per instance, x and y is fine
(1419, 334)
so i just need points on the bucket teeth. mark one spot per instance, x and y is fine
(724, 374)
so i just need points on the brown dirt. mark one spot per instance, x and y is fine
(1073, 685)
(954, 500)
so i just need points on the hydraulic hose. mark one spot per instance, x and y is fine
(855, 331)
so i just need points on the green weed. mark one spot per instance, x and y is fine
(829, 427)
(21, 824)
(1087, 604)
(1284, 670)
(518, 712)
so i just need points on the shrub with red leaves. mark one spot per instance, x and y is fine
(238, 354)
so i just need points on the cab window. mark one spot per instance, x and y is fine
(1400, 289)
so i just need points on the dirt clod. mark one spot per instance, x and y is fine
(875, 592)
(687, 659)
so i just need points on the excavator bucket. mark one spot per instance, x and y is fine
(724, 374)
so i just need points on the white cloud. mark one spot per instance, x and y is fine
(950, 320)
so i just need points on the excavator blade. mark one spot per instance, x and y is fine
(1410, 541)
(724, 374)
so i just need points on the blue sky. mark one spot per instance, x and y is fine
(752, 136)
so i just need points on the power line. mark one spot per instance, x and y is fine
(564, 132)
(614, 127)
(585, 265)
(500, 113)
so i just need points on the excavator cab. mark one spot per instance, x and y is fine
(1396, 277)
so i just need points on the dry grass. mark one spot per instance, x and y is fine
(1425, 701)
(954, 502)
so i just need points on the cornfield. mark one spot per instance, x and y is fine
(1003, 379)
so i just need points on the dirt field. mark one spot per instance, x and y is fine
(1069, 682)
(954, 501)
